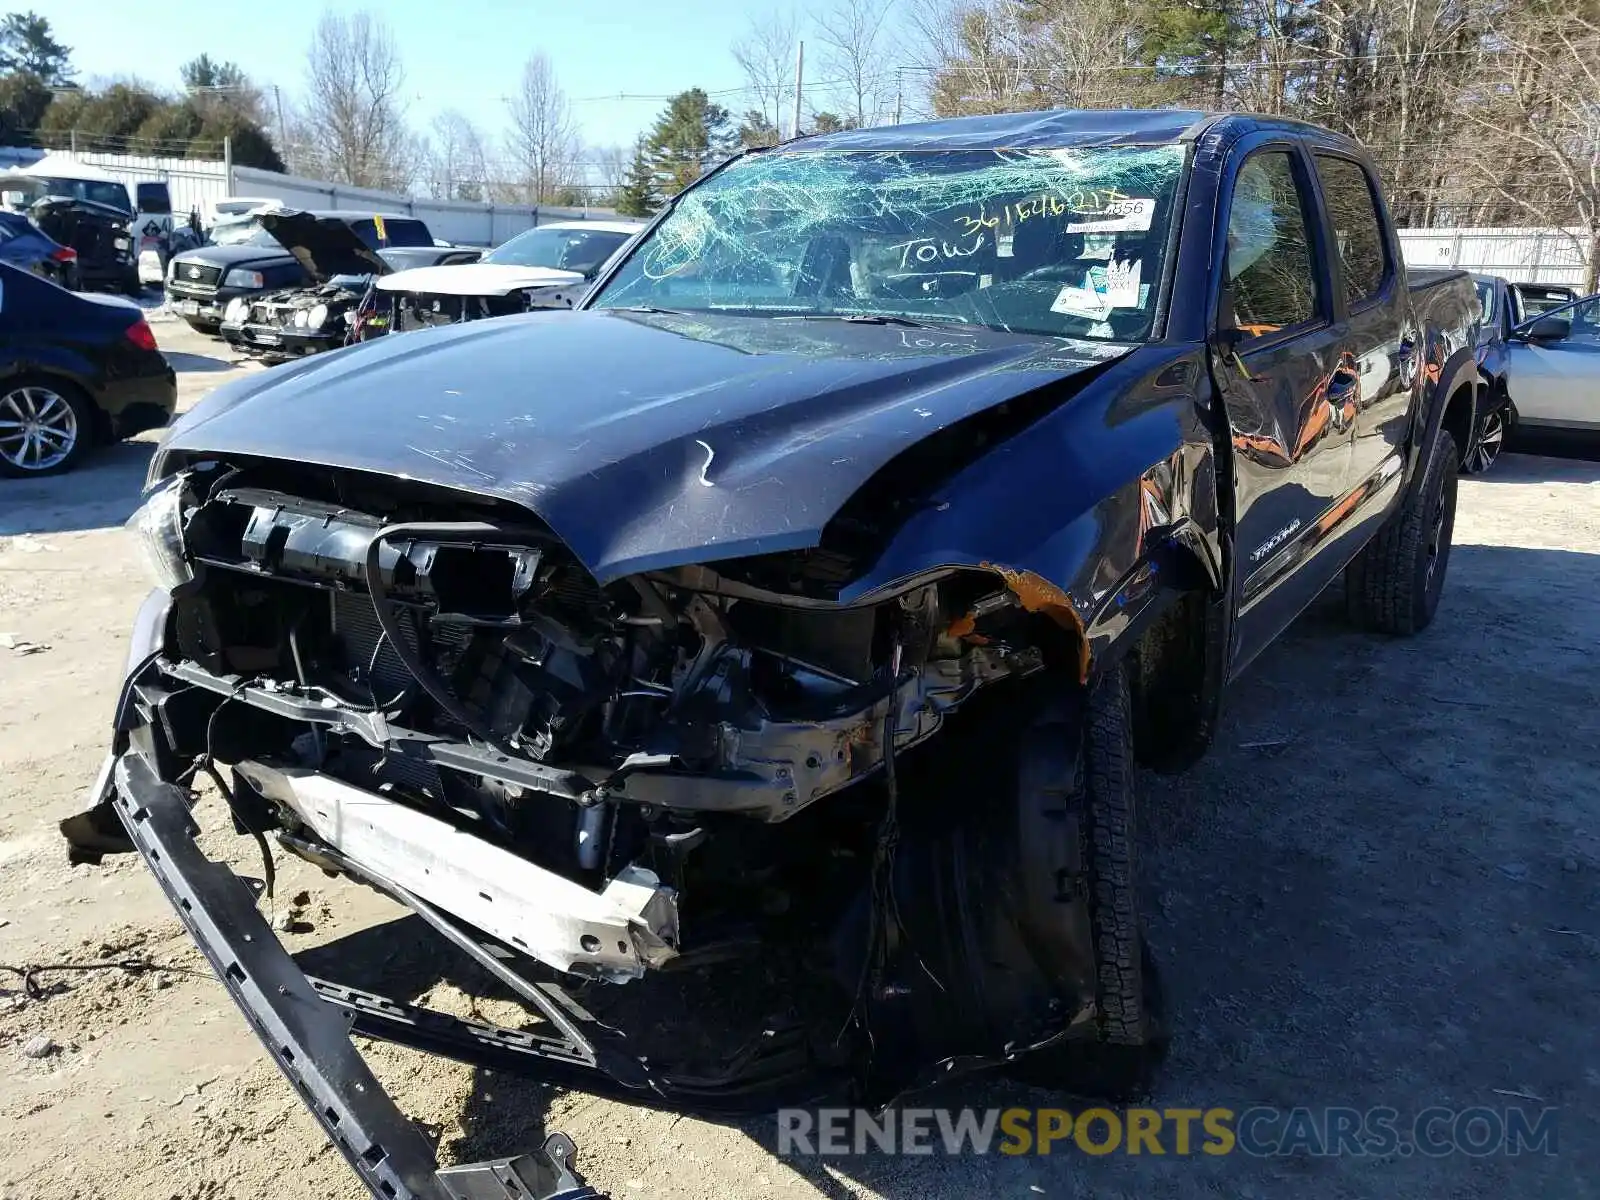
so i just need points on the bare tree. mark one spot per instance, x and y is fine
(353, 123)
(1537, 123)
(766, 54)
(611, 167)
(458, 167)
(854, 56)
(543, 136)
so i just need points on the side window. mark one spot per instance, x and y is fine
(1585, 322)
(1272, 278)
(1356, 227)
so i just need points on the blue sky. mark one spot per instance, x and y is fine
(465, 55)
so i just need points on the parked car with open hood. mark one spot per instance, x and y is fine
(795, 611)
(550, 266)
(75, 371)
(251, 262)
(85, 208)
(99, 237)
(340, 265)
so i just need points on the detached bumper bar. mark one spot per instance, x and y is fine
(306, 1034)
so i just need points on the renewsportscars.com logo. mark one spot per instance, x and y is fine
(1261, 1132)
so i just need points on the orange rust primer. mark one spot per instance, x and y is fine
(1037, 594)
(962, 626)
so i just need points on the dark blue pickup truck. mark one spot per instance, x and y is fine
(787, 621)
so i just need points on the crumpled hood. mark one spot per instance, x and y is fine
(476, 279)
(644, 441)
(323, 246)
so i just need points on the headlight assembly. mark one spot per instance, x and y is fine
(157, 524)
(318, 316)
(300, 318)
(239, 277)
(235, 313)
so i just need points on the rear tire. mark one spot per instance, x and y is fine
(1394, 584)
(46, 426)
(1489, 439)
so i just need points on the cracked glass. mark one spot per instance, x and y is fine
(1064, 242)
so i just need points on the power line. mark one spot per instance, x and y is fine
(1258, 65)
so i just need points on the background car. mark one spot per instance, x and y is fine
(75, 370)
(550, 266)
(341, 266)
(201, 283)
(23, 244)
(1553, 371)
(1494, 336)
(100, 237)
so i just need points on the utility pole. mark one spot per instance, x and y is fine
(799, 83)
(899, 92)
(283, 133)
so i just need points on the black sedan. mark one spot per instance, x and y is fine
(23, 244)
(75, 370)
(201, 283)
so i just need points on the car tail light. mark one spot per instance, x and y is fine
(64, 254)
(139, 334)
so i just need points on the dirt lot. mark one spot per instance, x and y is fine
(1381, 889)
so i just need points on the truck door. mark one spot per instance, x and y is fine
(1372, 313)
(1284, 385)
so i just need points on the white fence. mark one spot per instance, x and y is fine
(1522, 255)
(195, 184)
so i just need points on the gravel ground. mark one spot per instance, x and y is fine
(1380, 889)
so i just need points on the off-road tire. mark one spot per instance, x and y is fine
(1394, 584)
(1076, 770)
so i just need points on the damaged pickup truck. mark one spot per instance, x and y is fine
(793, 614)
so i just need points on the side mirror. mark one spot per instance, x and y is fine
(1547, 329)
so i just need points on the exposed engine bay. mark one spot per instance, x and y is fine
(311, 318)
(406, 310)
(604, 779)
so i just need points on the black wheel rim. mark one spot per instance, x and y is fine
(1437, 524)
(1490, 441)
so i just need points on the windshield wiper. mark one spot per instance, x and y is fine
(864, 319)
(647, 308)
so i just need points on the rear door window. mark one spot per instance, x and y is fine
(153, 198)
(1357, 228)
(377, 232)
(1271, 275)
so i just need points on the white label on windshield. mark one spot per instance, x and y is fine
(1118, 215)
(1115, 285)
(1002, 245)
(1099, 245)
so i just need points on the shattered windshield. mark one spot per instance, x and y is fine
(1055, 242)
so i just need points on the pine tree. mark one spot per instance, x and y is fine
(638, 196)
(689, 138)
(756, 130)
(26, 44)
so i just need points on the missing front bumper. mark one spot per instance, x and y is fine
(306, 1024)
(616, 935)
